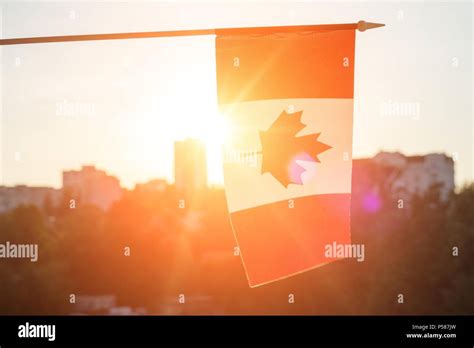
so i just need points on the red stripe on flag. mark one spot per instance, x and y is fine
(299, 65)
(277, 241)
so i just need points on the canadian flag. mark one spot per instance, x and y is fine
(287, 165)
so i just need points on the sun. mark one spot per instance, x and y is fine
(162, 121)
(214, 131)
(207, 125)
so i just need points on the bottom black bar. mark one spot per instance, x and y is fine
(137, 330)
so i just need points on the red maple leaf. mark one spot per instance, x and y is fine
(281, 148)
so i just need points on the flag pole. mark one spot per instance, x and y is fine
(360, 26)
(363, 25)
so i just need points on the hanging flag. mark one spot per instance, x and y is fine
(287, 165)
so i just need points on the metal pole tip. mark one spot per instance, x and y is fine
(363, 25)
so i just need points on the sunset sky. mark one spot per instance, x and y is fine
(120, 105)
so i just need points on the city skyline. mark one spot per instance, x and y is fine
(172, 181)
(190, 157)
(409, 175)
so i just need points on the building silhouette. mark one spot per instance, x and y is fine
(399, 177)
(91, 186)
(12, 197)
(190, 167)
